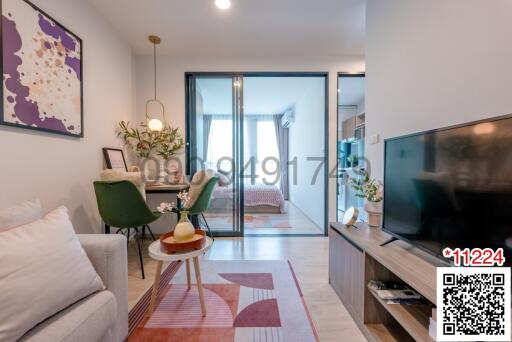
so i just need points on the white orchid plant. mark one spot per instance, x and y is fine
(173, 207)
(367, 188)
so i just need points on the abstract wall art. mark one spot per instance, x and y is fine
(42, 71)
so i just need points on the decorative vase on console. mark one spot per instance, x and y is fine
(371, 190)
(374, 211)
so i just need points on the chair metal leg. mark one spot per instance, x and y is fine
(138, 238)
(150, 232)
(208, 227)
(193, 220)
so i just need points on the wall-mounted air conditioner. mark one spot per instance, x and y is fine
(288, 119)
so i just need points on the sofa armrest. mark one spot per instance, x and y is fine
(109, 258)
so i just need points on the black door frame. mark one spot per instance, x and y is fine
(190, 126)
(341, 74)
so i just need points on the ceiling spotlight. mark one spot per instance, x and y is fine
(223, 4)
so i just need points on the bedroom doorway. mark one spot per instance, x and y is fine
(264, 134)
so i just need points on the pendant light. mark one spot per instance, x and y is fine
(155, 124)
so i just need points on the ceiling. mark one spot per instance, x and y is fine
(351, 91)
(249, 28)
(262, 95)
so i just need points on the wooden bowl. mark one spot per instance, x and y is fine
(171, 246)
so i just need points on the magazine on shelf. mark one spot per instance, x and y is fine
(395, 292)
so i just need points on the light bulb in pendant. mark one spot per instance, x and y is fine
(155, 125)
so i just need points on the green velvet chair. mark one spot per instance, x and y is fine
(122, 206)
(203, 203)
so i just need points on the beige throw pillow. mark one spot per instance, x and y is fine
(44, 270)
(20, 214)
(197, 184)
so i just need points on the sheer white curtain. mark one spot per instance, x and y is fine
(260, 147)
(220, 144)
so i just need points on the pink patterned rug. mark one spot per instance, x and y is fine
(245, 301)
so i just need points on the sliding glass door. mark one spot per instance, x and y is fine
(213, 140)
(265, 136)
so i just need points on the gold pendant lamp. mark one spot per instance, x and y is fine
(155, 124)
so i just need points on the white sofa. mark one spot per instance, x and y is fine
(102, 316)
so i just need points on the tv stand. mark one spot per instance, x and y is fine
(355, 258)
(388, 241)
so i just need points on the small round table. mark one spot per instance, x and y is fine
(157, 253)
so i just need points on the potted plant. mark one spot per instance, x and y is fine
(147, 143)
(371, 190)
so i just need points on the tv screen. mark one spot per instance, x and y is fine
(451, 187)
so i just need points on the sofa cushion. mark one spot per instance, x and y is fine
(20, 214)
(90, 319)
(44, 270)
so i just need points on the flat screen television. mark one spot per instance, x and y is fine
(451, 187)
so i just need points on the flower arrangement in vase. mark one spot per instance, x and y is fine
(146, 143)
(184, 230)
(371, 190)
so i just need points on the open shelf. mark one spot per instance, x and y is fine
(387, 333)
(413, 318)
(357, 257)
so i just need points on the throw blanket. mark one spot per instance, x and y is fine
(254, 195)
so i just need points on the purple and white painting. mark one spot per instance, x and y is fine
(42, 76)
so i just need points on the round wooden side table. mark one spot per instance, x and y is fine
(157, 253)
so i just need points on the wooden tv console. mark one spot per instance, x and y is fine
(356, 257)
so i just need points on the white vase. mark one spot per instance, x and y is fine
(162, 175)
(374, 211)
(184, 230)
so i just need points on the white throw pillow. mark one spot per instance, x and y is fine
(20, 214)
(44, 269)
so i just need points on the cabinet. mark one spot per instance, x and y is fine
(356, 257)
(346, 272)
(348, 128)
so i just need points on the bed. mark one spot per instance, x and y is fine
(258, 198)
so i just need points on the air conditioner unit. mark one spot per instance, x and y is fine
(288, 119)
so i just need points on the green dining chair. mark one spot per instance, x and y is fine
(203, 203)
(122, 206)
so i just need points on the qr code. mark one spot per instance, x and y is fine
(473, 303)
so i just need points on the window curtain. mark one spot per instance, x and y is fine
(207, 124)
(282, 135)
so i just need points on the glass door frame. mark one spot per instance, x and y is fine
(238, 149)
(237, 153)
(339, 75)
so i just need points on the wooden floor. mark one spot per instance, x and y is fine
(292, 222)
(310, 264)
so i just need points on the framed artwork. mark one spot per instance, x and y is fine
(114, 158)
(42, 71)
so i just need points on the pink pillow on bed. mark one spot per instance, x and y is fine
(223, 179)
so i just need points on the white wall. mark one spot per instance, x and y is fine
(307, 136)
(435, 63)
(60, 170)
(171, 86)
